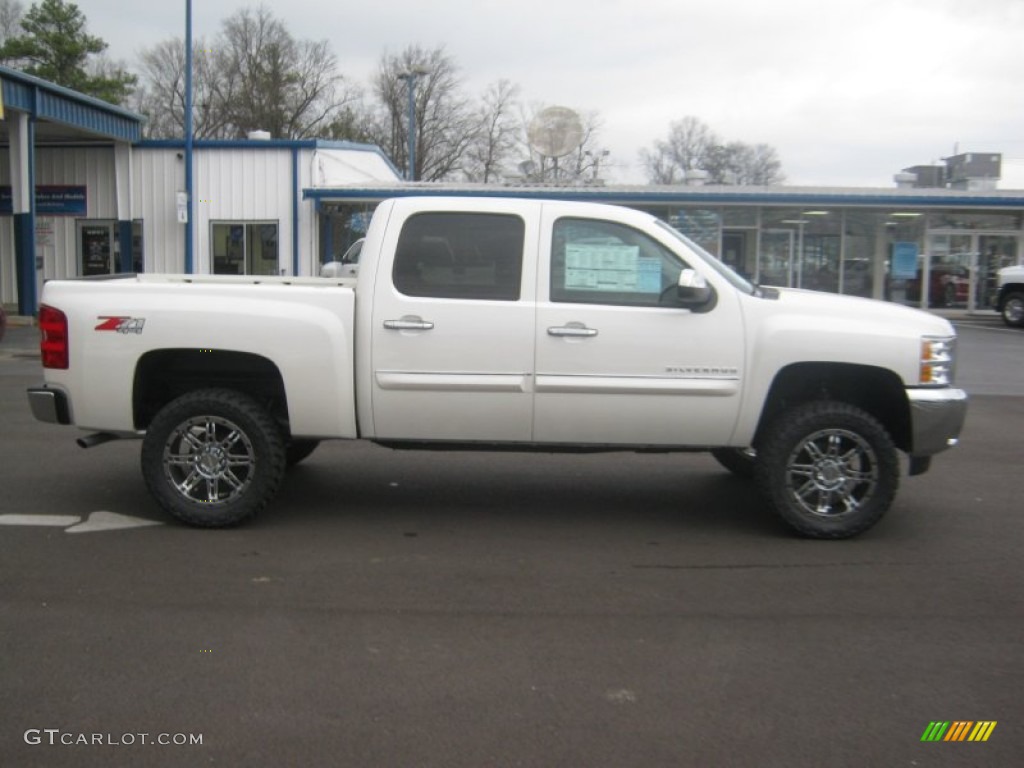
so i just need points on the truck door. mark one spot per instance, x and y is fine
(453, 329)
(617, 361)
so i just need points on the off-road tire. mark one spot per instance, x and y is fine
(213, 458)
(829, 469)
(1013, 310)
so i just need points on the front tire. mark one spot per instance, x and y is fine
(830, 469)
(213, 458)
(1013, 310)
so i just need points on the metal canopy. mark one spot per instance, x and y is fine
(64, 116)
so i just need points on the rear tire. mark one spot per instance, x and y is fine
(213, 458)
(830, 469)
(1013, 310)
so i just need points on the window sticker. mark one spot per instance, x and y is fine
(606, 267)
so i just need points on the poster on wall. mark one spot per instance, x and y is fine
(95, 250)
(44, 242)
(904, 260)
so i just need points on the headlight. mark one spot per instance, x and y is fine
(936, 368)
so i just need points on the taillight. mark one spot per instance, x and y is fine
(53, 325)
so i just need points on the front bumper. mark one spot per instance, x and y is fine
(49, 405)
(936, 418)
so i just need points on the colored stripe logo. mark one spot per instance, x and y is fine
(959, 730)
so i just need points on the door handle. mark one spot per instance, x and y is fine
(408, 323)
(572, 330)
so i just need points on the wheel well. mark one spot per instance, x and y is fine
(166, 374)
(1005, 291)
(875, 390)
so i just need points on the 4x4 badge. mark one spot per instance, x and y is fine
(121, 324)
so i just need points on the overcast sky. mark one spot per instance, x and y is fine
(847, 91)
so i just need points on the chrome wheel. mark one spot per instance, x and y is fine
(831, 472)
(209, 459)
(828, 468)
(213, 457)
(1013, 310)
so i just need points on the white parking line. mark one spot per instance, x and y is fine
(97, 521)
(110, 521)
(57, 521)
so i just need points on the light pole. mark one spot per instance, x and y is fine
(597, 155)
(188, 137)
(410, 84)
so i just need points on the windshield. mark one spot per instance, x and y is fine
(736, 280)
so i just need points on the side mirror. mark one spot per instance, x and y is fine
(694, 293)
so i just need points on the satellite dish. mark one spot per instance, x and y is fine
(555, 132)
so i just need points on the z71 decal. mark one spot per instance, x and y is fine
(121, 324)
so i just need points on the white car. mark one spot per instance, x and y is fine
(1010, 298)
(347, 265)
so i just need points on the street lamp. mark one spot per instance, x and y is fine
(188, 138)
(410, 83)
(597, 156)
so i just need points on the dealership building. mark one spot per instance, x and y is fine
(82, 194)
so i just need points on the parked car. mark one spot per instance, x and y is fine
(1010, 298)
(948, 285)
(347, 265)
(3, 323)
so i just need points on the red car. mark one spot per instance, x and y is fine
(948, 285)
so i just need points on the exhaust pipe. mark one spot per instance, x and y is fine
(97, 438)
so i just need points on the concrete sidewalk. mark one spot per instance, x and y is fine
(21, 337)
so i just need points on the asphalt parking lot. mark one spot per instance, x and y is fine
(422, 609)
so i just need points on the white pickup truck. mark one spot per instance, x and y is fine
(1010, 296)
(489, 323)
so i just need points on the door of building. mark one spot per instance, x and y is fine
(96, 248)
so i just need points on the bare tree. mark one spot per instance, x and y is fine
(685, 149)
(497, 134)
(255, 76)
(271, 81)
(444, 120)
(762, 166)
(692, 146)
(162, 97)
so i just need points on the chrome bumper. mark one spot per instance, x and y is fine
(936, 418)
(49, 405)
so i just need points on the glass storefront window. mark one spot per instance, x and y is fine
(700, 225)
(244, 248)
(800, 248)
(862, 252)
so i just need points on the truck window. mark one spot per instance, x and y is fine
(460, 256)
(602, 262)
